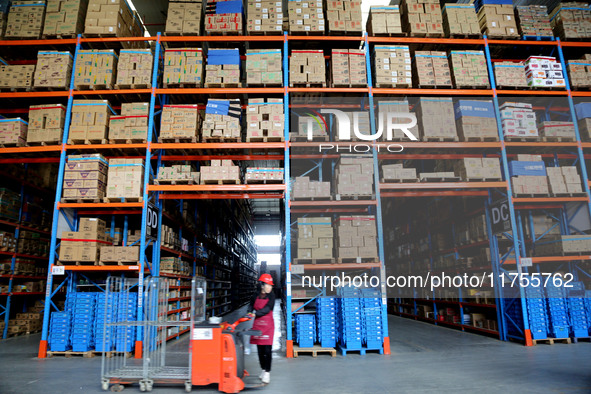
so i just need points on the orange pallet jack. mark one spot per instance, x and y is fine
(217, 356)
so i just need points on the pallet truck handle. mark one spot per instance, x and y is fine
(232, 327)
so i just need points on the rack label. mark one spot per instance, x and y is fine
(202, 334)
(58, 270)
(297, 269)
(525, 261)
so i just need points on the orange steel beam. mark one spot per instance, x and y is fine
(220, 91)
(405, 144)
(110, 212)
(344, 266)
(583, 144)
(575, 44)
(117, 39)
(433, 156)
(30, 160)
(221, 157)
(111, 91)
(216, 188)
(222, 196)
(542, 144)
(518, 200)
(533, 92)
(420, 40)
(324, 38)
(435, 92)
(331, 203)
(278, 38)
(328, 90)
(107, 146)
(68, 41)
(581, 94)
(435, 193)
(522, 42)
(220, 145)
(56, 93)
(550, 259)
(443, 185)
(99, 205)
(330, 210)
(101, 267)
(31, 149)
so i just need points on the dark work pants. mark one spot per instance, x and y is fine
(265, 355)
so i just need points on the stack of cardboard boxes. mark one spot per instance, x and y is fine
(315, 238)
(113, 17)
(25, 19)
(583, 111)
(125, 179)
(178, 173)
(432, 69)
(478, 169)
(518, 120)
(95, 67)
(183, 66)
(557, 130)
(356, 238)
(437, 120)
(27, 323)
(223, 17)
(263, 175)
(132, 125)
(571, 19)
(307, 67)
(17, 77)
(528, 175)
(222, 121)
(397, 173)
(387, 108)
(265, 121)
(510, 75)
(534, 21)
(223, 68)
(469, 69)
(344, 16)
(422, 17)
(476, 120)
(134, 69)
(564, 180)
(184, 18)
(85, 177)
(460, 20)
(84, 245)
(263, 67)
(124, 255)
(354, 176)
(348, 68)
(265, 16)
(580, 72)
(174, 265)
(306, 16)
(304, 188)
(544, 72)
(559, 245)
(392, 66)
(498, 20)
(306, 126)
(541, 224)
(13, 132)
(64, 18)
(53, 70)
(46, 123)
(180, 122)
(220, 172)
(384, 20)
(90, 119)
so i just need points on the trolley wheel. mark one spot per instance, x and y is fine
(149, 384)
(142, 386)
(117, 388)
(188, 387)
(105, 385)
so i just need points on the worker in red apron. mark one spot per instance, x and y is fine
(261, 308)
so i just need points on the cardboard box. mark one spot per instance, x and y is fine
(64, 18)
(53, 69)
(478, 169)
(432, 69)
(95, 67)
(476, 120)
(223, 68)
(220, 174)
(558, 131)
(263, 175)
(392, 66)
(85, 177)
(183, 66)
(184, 18)
(113, 17)
(223, 16)
(180, 121)
(354, 176)
(304, 188)
(90, 119)
(265, 120)
(306, 16)
(131, 125)
(125, 178)
(20, 77)
(437, 120)
(263, 67)
(498, 20)
(469, 69)
(348, 68)
(134, 68)
(344, 16)
(265, 16)
(25, 19)
(571, 19)
(544, 71)
(460, 20)
(222, 121)
(384, 20)
(518, 120)
(307, 67)
(510, 74)
(579, 72)
(13, 132)
(534, 21)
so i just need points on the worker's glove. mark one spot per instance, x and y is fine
(250, 315)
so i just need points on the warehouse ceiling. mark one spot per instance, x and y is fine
(153, 13)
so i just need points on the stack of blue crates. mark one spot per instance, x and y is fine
(373, 328)
(588, 308)
(83, 322)
(536, 311)
(305, 330)
(126, 312)
(349, 318)
(326, 315)
(59, 332)
(576, 311)
(557, 311)
(106, 313)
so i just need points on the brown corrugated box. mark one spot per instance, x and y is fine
(306, 16)
(437, 119)
(384, 20)
(95, 67)
(85, 177)
(25, 19)
(392, 66)
(510, 74)
(13, 132)
(53, 69)
(498, 20)
(571, 19)
(184, 18)
(307, 67)
(432, 69)
(180, 121)
(460, 20)
(125, 178)
(113, 17)
(315, 238)
(135, 68)
(533, 20)
(64, 18)
(183, 66)
(265, 121)
(481, 169)
(422, 17)
(469, 69)
(17, 76)
(263, 67)
(265, 16)
(218, 127)
(89, 120)
(344, 16)
(132, 125)
(348, 67)
(46, 123)
(304, 188)
(220, 174)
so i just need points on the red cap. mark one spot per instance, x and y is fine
(266, 278)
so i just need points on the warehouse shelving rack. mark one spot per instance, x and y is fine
(257, 191)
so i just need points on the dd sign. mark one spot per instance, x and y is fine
(499, 214)
(152, 221)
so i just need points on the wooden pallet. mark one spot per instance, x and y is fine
(393, 85)
(413, 180)
(224, 33)
(551, 341)
(502, 37)
(50, 88)
(521, 139)
(481, 139)
(13, 145)
(345, 260)
(69, 353)
(307, 85)
(220, 139)
(118, 262)
(558, 139)
(474, 87)
(362, 351)
(58, 36)
(127, 141)
(263, 85)
(16, 89)
(443, 179)
(332, 260)
(264, 33)
(263, 181)
(537, 38)
(81, 200)
(306, 33)
(174, 182)
(582, 194)
(354, 197)
(73, 141)
(184, 85)
(314, 351)
(123, 86)
(427, 35)
(440, 139)
(483, 179)
(401, 34)
(94, 87)
(96, 262)
(349, 85)
(577, 339)
(465, 36)
(223, 85)
(122, 199)
(303, 138)
(530, 195)
(542, 88)
(42, 143)
(580, 87)
(507, 87)
(264, 139)
(325, 198)
(178, 140)
(220, 182)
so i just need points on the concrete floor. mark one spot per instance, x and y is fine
(424, 359)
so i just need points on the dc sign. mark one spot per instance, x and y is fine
(500, 217)
(152, 221)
